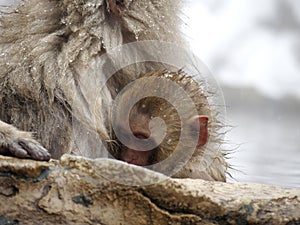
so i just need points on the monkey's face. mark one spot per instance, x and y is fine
(133, 152)
(140, 128)
(117, 7)
(137, 157)
(141, 17)
(150, 129)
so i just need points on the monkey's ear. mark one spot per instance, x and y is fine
(203, 130)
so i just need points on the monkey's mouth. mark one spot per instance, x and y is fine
(135, 162)
(138, 158)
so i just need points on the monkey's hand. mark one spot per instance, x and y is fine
(20, 144)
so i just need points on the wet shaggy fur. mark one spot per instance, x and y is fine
(46, 51)
(46, 48)
(177, 110)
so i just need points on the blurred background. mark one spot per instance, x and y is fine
(253, 50)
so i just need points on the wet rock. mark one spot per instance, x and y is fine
(77, 190)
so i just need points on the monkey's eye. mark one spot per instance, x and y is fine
(120, 3)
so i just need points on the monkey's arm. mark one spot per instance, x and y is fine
(14, 142)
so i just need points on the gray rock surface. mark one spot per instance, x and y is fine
(77, 190)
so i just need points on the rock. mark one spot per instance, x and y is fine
(77, 190)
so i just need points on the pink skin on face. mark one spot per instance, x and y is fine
(139, 158)
(117, 7)
(139, 128)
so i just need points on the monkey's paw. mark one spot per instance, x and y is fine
(24, 148)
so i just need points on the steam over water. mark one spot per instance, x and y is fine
(253, 50)
(268, 132)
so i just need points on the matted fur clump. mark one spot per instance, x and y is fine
(47, 49)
